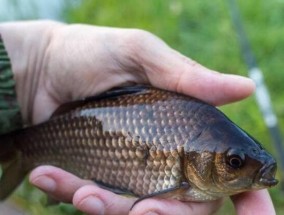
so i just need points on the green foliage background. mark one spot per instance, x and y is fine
(203, 31)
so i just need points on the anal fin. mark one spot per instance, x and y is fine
(50, 201)
(12, 175)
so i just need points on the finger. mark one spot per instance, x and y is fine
(170, 70)
(169, 207)
(94, 200)
(255, 202)
(188, 77)
(57, 183)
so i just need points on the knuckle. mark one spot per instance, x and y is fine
(139, 34)
(138, 38)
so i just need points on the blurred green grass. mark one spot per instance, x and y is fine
(203, 31)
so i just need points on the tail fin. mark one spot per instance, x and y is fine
(12, 168)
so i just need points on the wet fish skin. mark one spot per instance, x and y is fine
(140, 141)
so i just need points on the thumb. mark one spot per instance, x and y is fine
(168, 69)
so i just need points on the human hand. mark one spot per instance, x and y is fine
(55, 63)
(93, 200)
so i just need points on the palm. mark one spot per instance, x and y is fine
(94, 59)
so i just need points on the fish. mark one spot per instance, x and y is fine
(143, 142)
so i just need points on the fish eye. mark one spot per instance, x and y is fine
(235, 158)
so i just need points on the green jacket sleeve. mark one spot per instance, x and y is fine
(10, 116)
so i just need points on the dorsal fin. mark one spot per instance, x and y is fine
(110, 94)
(118, 91)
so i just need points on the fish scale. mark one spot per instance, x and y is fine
(101, 123)
(141, 141)
(105, 173)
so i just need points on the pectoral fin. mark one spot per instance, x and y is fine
(115, 189)
(170, 193)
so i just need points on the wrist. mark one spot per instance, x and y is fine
(26, 44)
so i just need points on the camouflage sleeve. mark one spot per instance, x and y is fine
(10, 116)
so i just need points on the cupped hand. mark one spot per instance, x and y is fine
(91, 199)
(54, 63)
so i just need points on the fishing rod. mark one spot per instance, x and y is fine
(261, 93)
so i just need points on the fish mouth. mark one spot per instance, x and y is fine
(266, 176)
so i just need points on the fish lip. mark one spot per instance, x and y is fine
(266, 175)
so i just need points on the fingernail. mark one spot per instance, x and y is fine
(45, 183)
(151, 213)
(92, 204)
